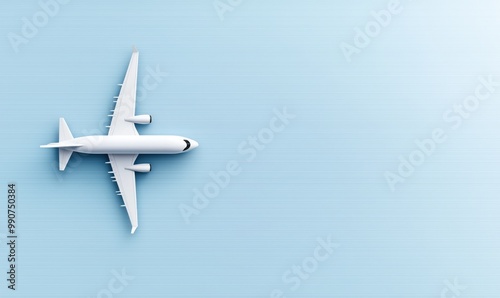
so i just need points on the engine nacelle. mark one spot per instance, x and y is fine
(140, 119)
(142, 167)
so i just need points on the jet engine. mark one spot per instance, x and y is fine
(140, 119)
(142, 167)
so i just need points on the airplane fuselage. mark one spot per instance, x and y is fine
(126, 144)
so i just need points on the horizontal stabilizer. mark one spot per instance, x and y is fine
(64, 156)
(66, 144)
(64, 132)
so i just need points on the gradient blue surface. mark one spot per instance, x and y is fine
(322, 176)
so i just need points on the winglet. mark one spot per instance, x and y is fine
(134, 49)
(133, 230)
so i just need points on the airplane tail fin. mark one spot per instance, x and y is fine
(65, 148)
(64, 135)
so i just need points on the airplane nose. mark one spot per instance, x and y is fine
(190, 144)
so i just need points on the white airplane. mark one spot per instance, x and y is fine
(123, 143)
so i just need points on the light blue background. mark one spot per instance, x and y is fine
(324, 175)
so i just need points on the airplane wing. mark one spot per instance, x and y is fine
(125, 104)
(126, 183)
